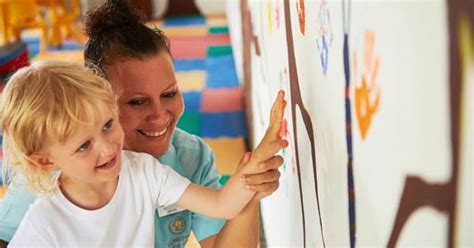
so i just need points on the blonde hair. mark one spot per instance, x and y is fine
(47, 100)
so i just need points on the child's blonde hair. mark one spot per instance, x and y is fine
(47, 100)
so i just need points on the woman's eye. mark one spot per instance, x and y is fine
(137, 102)
(170, 94)
(84, 146)
(108, 125)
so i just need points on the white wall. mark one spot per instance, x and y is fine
(401, 50)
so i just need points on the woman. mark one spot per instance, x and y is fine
(137, 62)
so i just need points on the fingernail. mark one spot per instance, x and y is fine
(247, 155)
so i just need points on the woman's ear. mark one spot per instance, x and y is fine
(42, 162)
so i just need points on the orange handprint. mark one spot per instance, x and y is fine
(301, 14)
(367, 92)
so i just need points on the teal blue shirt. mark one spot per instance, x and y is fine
(188, 155)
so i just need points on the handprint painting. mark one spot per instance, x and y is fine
(367, 93)
(324, 34)
(402, 153)
(380, 121)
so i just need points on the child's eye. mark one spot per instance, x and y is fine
(137, 102)
(84, 146)
(170, 94)
(108, 125)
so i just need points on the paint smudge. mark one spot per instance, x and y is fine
(277, 14)
(301, 14)
(324, 34)
(270, 16)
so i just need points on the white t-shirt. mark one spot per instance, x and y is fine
(127, 220)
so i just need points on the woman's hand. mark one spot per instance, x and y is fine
(264, 183)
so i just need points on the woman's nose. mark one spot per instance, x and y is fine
(157, 114)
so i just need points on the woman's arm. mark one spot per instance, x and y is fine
(244, 229)
(241, 231)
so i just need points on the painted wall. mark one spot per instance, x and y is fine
(380, 118)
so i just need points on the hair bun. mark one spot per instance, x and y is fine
(111, 14)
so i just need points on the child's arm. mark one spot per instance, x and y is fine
(232, 198)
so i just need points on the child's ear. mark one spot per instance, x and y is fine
(42, 161)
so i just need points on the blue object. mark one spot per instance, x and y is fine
(217, 124)
(221, 72)
(66, 46)
(184, 21)
(11, 51)
(31, 39)
(33, 44)
(33, 50)
(189, 65)
(192, 101)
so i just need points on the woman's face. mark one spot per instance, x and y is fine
(150, 103)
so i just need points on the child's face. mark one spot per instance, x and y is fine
(92, 154)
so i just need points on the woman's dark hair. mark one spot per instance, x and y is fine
(117, 32)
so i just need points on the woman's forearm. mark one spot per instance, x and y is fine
(243, 230)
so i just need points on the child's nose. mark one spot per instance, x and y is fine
(107, 147)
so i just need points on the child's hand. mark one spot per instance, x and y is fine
(233, 197)
(272, 142)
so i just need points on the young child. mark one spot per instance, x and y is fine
(62, 132)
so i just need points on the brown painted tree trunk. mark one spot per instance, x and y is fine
(418, 193)
(182, 8)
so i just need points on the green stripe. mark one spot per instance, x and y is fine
(215, 51)
(190, 121)
(218, 30)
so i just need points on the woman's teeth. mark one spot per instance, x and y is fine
(154, 134)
